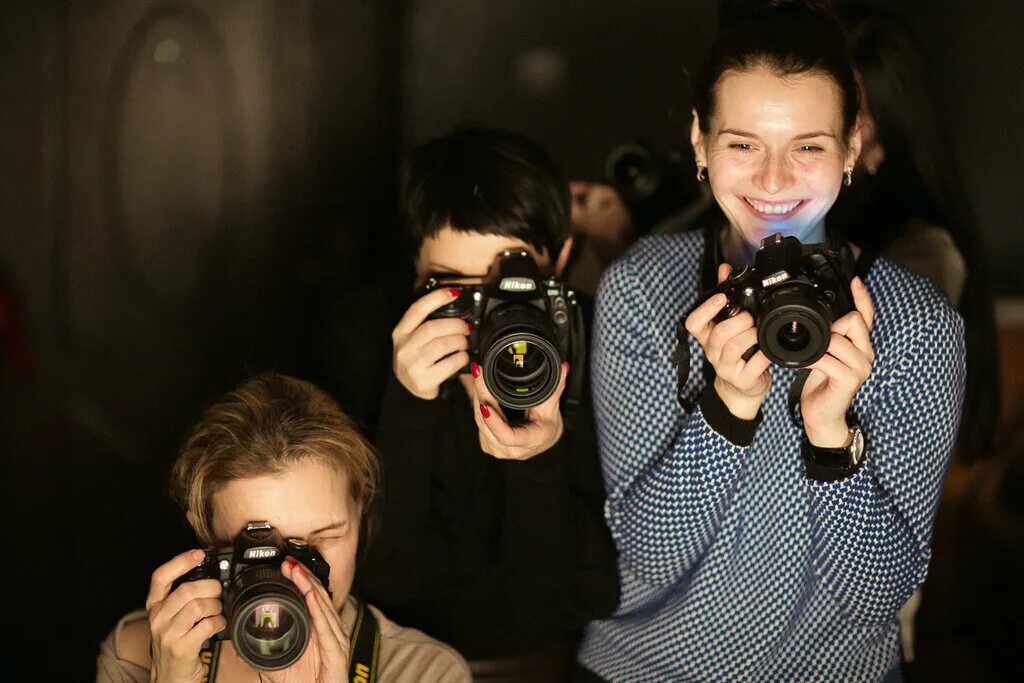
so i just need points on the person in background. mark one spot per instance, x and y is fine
(492, 535)
(275, 450)
(767, 529)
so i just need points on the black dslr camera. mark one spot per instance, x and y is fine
(524, 326)
(267, 617)
(795, 292)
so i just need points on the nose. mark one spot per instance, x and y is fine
(776, 174)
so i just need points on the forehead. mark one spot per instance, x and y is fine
(760, 101)
(306, 497)
(467, 251)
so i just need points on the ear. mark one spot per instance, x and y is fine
(853, 146)
(563, 257)
(697, 140)
(191, 519)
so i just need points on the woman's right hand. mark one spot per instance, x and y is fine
(180, 620)
(741, 384)
(427, 352)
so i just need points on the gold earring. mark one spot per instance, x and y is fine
(701, 177)
(848, 177)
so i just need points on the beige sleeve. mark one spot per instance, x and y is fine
(110, 669)
(408, 656)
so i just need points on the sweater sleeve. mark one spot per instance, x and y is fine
(671, 476)
(390, 571)
(871, 532)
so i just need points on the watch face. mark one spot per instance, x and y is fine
(856, 448)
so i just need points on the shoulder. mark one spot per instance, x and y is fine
(909, 308)
(407, 654)
(662, 271)
(124, 654)
(929, 250)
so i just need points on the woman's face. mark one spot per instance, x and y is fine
(775, 152)
(310, 501)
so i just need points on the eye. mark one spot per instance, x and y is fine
(741, 146)
(811, 148)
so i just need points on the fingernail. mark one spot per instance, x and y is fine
(469, 327)
(475, 369)
(485, 411)
(454, 291)
(291, 562)
(566, 366)
(298, 568)
(719, 299)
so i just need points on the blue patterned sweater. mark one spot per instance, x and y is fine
(735, 566)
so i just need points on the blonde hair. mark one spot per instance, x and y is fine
(263, 427)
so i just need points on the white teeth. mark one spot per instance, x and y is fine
(772, 208)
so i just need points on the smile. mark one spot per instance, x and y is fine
(773, 210)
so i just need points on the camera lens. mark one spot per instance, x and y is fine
(520, 362)
(794, 326)
(268, 620)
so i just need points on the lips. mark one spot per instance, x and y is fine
(773, 210)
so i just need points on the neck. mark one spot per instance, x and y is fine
(737, 251)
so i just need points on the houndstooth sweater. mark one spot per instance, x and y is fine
(736, 566)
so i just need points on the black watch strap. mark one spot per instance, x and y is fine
(832, 464)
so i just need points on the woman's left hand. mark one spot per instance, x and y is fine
(326, 657)
(540, 431)
(836, 376)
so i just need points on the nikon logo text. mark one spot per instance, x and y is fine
(517, 284)
(260, 553)
(775, 278)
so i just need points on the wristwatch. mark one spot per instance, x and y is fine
(830, 464)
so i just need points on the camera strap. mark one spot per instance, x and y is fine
(208, 657)
(365, 646)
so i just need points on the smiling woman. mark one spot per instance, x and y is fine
(769, 524)
(275, 480)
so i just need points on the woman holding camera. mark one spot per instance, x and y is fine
(275, 453)
(493, 536)
(770, 520)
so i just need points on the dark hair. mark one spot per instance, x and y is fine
(788, 37)
(485, 180)
(919, 180)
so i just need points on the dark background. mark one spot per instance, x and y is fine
(189, 189)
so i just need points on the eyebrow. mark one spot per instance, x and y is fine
(802, 136)
(329, 527)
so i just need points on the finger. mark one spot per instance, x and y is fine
(849, 355)
(163, 612)
(438, 348)
(192, 640)
(753, 370)
(862, 300)
(423, 307)
(432, 330)
(164, 575)
(854, 326)
(724, 331)
(329, 637)
(723, 272)
(700, 322)
(190, 614)
(306, 582)
(839, 375)
(445, 368)
(552, 406)
(733, 350)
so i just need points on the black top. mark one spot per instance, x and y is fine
(495, 557)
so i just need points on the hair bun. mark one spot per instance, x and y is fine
(733, 12)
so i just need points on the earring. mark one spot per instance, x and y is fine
(848, 177)
(701, 176)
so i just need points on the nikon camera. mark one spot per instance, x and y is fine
(795, 292)
(267, 617)
(524, 326)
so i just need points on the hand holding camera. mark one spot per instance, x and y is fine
(427, 352)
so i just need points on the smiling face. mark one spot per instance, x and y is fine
(310, 501)
(775, 152)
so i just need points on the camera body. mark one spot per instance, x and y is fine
(795, 292)
(266, 614)
(524, 325)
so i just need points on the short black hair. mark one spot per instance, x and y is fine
(485, 180)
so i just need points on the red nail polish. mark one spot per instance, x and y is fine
(566, 364)
(290, 562)
(454, 291)
(469, 327)
(484, 411)
(475, 369)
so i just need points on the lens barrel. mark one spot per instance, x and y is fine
(518, 355)
(267, 618)
(794, 326)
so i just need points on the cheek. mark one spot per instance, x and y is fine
(342, 559)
